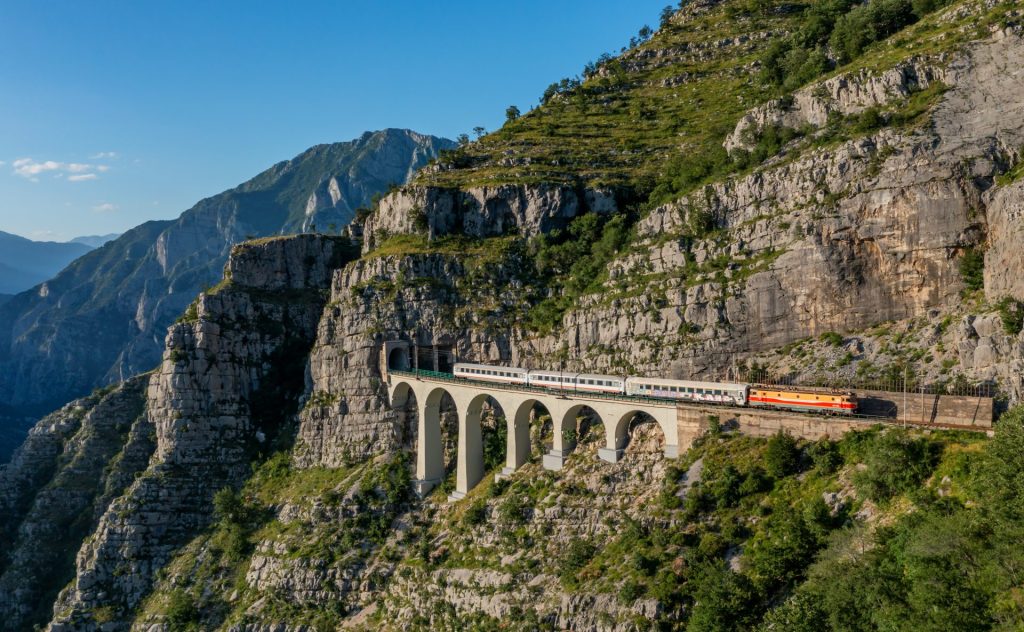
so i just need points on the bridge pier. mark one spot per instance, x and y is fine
(469, 468)
(517, 450)
(429, 453)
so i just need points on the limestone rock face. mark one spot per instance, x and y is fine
(1005, 215)
(228, 385)
(482, 211)
(52, 495)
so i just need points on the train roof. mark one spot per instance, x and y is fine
(490, 367)
(687, 383)
(585, 376)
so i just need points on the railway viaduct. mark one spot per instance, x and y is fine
(516, 402)
(680, 424)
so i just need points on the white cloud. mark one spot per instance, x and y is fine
(103, 155)
(79, 171)
(105, 207)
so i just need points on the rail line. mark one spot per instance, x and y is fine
(658, 401)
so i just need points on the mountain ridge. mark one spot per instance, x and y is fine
(25, 263)
(102, 318)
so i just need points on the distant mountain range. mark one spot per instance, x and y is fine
(104, 317)
(25, 263)
(95, 241)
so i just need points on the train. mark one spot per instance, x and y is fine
(725, 393)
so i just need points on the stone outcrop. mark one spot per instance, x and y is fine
(225, 392)
(1005, 217)
(482, 211)
(60, 482)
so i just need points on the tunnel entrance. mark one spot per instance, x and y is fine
(398, 359)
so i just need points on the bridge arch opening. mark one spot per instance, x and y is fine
(406, 408)
(636, 431)
(529, 424)
(481, 440)
(575, 425)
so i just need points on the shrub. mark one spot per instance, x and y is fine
(832, 338)
(630, 592)
(181, 611)
(577, 555)
(1011, 312)
(781, 456)
(755, 482)
(723, 600)
(781, 551)
(475, 514)
(513, 510)
(825, 456)
(896, 463)
(972, 268)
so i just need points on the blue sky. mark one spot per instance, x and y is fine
(116, 112)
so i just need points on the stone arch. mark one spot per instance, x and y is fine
(470, 466)
(518, 447)
(406, 407)
(567, 428)
(633, 420)
(618, 434)
(430, 452)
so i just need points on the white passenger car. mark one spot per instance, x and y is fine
(578, 382)
(716, 392)
(490, 373)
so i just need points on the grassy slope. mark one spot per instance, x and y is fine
(623, 124)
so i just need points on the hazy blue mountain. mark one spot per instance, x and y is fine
(4, 298)
(95, 241)
(25, 263)
(104, 317)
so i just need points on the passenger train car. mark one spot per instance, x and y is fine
(577, 382)
(716, 392)
(489, 373)
(729, 393)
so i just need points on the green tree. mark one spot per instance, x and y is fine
(723, 600)
(781, 456)
(511, 113)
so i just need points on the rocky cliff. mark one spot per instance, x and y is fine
(863, 225)
(102, 319)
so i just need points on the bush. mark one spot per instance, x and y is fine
(825, 456)
(781, 550)
(475, 514)
(972, 269)
(182, 613)
(896, 463)
(630, 592)
(832, 338)
(577, 555)
(723, 601)
(513, 510)
(1011, 312)
(781, 456)
(845, 27)
(756, 481)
